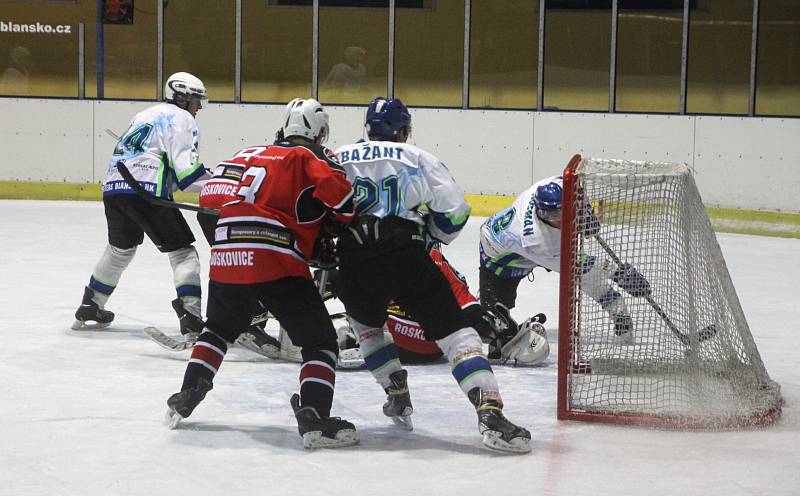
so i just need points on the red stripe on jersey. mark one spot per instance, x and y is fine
(207, 355)
(408, 335)
(317, 370)
(457, 283)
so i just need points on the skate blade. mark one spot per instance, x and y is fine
(246, 341)
(494, 440)
(350, 359)
(168, 342)
(344, 438)
(81, 325)
(172, 419)
(404, 422)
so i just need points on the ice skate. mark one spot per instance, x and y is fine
(322, 432)
(181, 405)
(623, 329)
(89, 315)
(498, 432)
(258, 341)
(191, 325)
(398, 400)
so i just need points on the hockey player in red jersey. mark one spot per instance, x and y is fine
(262, 244)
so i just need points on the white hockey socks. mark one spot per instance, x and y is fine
(469, 365)
(108, 272)
(186, 275)
(379, 352)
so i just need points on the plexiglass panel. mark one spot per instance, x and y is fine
(504, 52)
(718, 75)
(200, 38)
(649, 59)
(577, 56)
(353, 53)
(429, 54)
(276, 51)
(778, 77)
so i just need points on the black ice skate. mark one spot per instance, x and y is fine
(498, 432)
(322, 432)
(623, 329)
(258, 341)
(191, 325)
(89, 315)
(181, 405)
(398, 400)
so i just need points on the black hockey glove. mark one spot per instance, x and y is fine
(631, 280)
(483, 321)
(324, 254)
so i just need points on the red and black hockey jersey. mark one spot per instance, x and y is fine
(268, 230)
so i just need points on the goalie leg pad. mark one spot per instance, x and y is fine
(469, 365)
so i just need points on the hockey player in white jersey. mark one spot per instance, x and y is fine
(406, 199)
(160, 149)
(527, 235)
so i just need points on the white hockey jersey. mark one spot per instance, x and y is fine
(399, 179)
(515, 240)
(160, 148)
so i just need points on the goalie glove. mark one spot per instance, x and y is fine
(629, 279)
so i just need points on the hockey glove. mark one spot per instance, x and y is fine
(483, 321)
(629, 279)
(324, 254)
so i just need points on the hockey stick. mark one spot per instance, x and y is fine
(146, 196)
(704, 334)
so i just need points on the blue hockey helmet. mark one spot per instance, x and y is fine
(548, 197)
(385, 117)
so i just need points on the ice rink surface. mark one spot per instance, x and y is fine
(82, 411)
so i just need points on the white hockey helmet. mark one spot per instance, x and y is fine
(305, 118)
(181, 87)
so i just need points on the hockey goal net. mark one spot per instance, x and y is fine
(689, 360)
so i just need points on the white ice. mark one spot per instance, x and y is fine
(82, 412)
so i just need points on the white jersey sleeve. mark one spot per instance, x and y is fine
(400, 179)
(161, 149)
(515, 240)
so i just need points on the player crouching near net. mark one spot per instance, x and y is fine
(383, 257)
(262, 244)
(528, 234)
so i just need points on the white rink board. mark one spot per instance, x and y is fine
(740, 162)
(46, 140)
(753, 166)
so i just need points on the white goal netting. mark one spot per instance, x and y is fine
(689, 359)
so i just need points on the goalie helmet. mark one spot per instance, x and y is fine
(182, 87)
(548, 196)
(547, 199)
(385, 118)
(307, 119)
